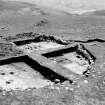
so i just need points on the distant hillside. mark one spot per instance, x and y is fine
(99, 13)
(13, 6)
(95, 13)
(70, 6)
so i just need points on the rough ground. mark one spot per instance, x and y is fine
(89, 30)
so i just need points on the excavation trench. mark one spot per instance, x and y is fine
(76, 59)
(44, 71)
(42, 38)
(60, 52)
(69, 58)
(76, 49)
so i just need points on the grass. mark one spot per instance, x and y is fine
(69, 27)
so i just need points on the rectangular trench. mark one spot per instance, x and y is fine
(83, 52)
(41, 38)
(60, 52)
(44, 71)
(71, 58)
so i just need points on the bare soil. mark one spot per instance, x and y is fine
(16, 20)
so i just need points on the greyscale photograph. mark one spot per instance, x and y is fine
(52, 52)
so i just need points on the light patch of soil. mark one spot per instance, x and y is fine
(74, 67)
(78, 65)
(28, 48)
(20, 76)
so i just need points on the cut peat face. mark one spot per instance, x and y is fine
(22, 73)
(77, 58)
(39, 43)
